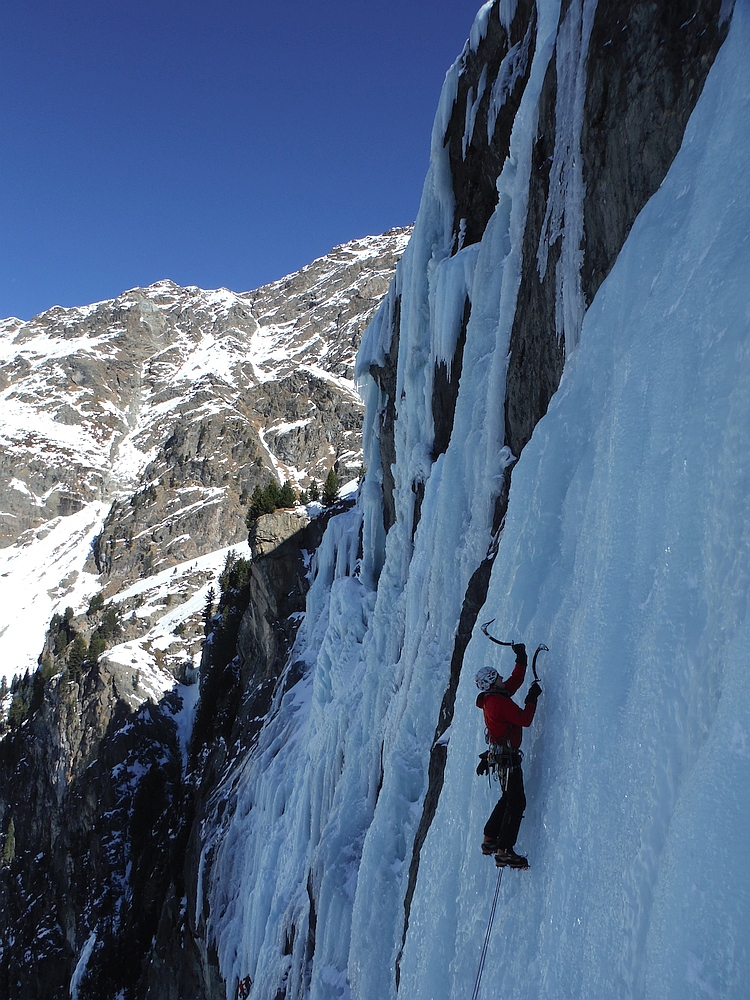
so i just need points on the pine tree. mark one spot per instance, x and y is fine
(272, 493)
(47, 668)
(110, 625)
(97, 645)
(19, 708)
(256, 506)
(331, 488)
(265, 500)
(9, 847)
(77, 656)
(287, 496)
(208, 608)
(96, 603)
(314, 490)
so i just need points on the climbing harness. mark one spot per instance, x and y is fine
(501, 759)
(483, 956)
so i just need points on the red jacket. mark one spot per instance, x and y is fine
(502, 716)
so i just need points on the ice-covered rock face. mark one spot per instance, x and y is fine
(359, 798)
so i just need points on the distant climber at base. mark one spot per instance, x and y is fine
(504, 721)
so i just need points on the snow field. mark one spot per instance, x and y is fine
(41, 577)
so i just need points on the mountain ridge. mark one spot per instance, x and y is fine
(143, 423)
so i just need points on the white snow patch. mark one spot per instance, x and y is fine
(41, 575)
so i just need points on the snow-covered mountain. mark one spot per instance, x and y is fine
(146, 421)
(556, 438)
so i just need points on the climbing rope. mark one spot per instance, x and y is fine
(483, 956)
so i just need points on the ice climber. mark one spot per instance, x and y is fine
(504, 721)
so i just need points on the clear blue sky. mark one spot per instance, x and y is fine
(214, 142)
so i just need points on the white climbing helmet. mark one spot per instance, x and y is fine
(486, 677)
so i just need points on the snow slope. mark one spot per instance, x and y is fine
(42, 577)
(625, 549)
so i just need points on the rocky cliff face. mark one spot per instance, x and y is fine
(108, 802)
(95, 790)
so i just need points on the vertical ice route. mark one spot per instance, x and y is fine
(563, 218)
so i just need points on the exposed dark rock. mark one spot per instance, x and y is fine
(445, 389)
(537, 353)
(500, 56)
(418, 489)
(94, 791)
(647, 66)
(385, 377)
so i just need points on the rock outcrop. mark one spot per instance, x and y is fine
(108, 807)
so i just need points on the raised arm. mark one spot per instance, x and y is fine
(513, 683)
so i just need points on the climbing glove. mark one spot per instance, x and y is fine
(520, 650)
(483, 767)
(533, 694)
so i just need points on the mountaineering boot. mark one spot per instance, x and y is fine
(506, 856)
(489, 846)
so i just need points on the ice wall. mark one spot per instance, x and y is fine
(330, 801)
(625, 549)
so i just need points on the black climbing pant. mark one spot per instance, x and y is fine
(504, 823)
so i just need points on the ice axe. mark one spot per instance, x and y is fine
(540, 649)
(498, 641)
